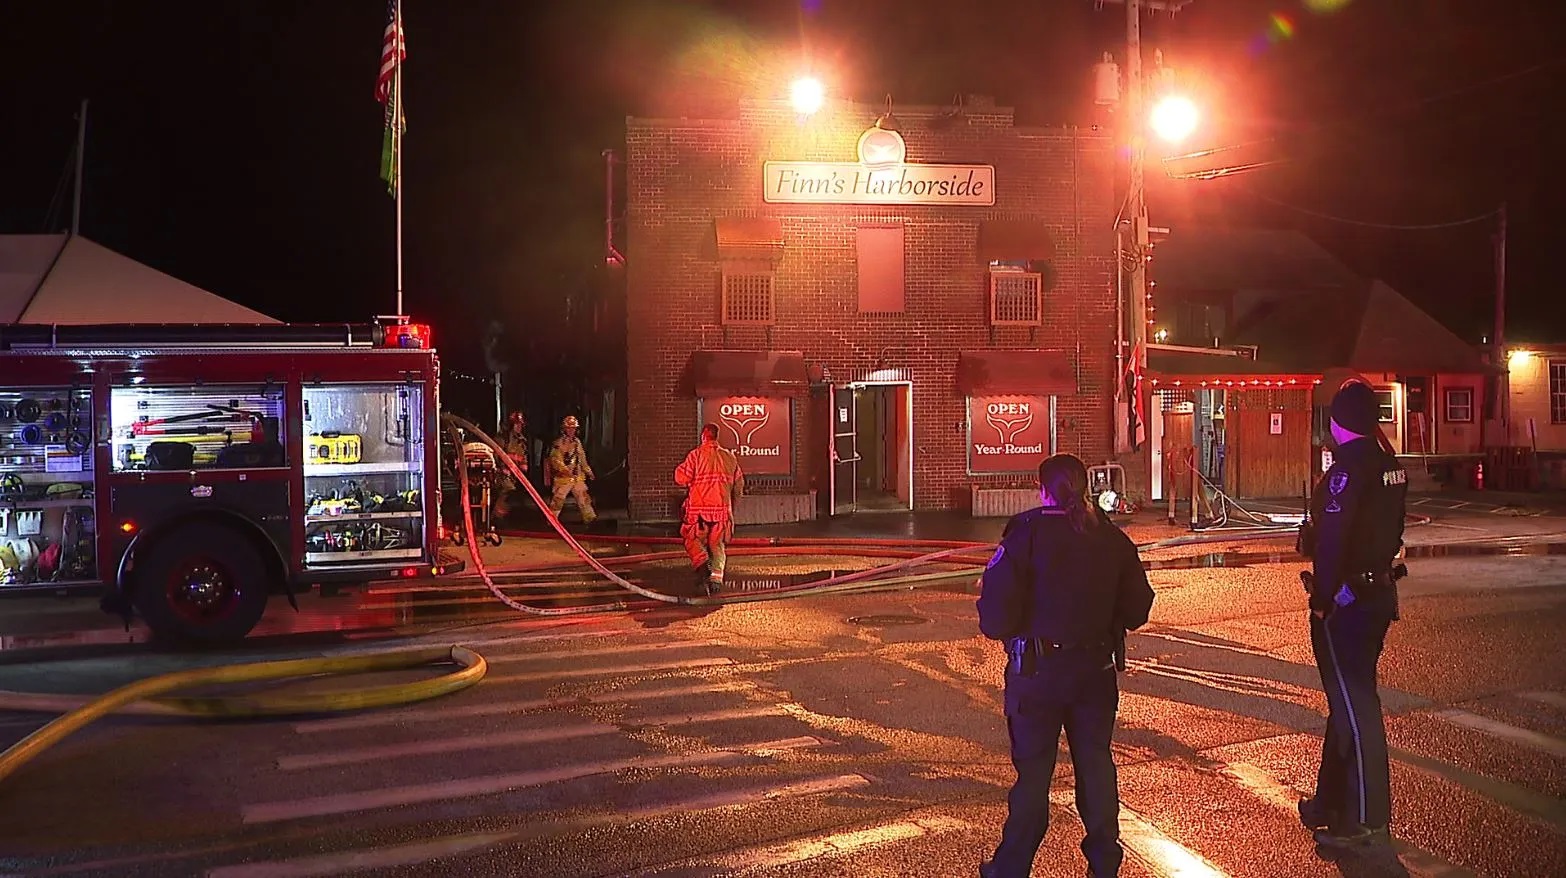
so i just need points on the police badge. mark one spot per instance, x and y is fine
(1338, 482)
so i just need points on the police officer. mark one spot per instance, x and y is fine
(1353, 539)
(1061, 591)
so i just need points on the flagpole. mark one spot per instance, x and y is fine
(397, 154)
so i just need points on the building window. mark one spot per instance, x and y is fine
(1386, 401)
(880, 269)
(1016, 297)
(748, 296)
(1558, 391)
(1460, 405)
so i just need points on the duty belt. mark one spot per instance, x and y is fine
(1024, 652)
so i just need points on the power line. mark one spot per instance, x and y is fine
(1401, 227)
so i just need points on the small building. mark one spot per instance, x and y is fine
(1536, 377)
(1252, 320)
(880, 312)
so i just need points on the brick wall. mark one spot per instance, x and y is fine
(682, 174)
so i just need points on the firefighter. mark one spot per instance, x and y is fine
(569, 471)
(513, 439)
(714, 480)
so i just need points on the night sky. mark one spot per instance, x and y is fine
(236, 144)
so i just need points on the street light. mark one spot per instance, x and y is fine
(1174, 118)
(807, 95)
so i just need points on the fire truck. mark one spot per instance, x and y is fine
(192, 471)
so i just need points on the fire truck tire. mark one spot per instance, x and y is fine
(201, 583)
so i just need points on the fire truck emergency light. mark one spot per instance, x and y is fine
(406, 335)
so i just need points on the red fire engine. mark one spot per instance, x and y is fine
(191, 471)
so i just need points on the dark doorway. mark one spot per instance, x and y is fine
(884, 478)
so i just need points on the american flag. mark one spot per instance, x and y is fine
(394, 50)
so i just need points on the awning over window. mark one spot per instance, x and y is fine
(1015, 241)
(1001, 373)
(748, 373)
(748, 233)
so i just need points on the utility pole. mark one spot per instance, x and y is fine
(1136, 206)
(81, 162)
(1131, 250)
(1503, 406)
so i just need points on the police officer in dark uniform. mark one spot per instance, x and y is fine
(1063, 588)
(1354, 538)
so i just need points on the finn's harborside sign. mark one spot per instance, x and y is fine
(881, 176)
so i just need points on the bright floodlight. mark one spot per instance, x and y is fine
(1174, 118)
(807, 94)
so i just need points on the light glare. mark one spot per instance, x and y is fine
(1174, 118)
(807, 94)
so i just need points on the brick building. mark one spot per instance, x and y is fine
(881, 313)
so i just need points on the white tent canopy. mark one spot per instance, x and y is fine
(60, 279)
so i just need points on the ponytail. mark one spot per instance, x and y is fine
(1065, 478)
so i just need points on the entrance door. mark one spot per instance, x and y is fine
(845, 450)
(1179, 450)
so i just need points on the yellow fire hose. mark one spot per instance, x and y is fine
(148, 693)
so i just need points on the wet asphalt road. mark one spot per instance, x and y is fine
(798, 738)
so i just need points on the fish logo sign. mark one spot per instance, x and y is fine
(743, 419)
(881, 148)
(1010, 419)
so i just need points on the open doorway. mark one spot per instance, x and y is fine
(873, 448)
(885, 448)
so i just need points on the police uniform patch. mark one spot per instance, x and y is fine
(1000, 552)
(1332, 506)
(1338, 482)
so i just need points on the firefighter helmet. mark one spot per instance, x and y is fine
(570, 422)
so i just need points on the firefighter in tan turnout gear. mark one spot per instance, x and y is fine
(713, 478)
(569, 471)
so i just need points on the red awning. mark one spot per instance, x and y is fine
(1015, 241)
(1000, 373)
(748, 233)
(748, 373)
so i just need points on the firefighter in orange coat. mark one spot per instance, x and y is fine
(713, 478)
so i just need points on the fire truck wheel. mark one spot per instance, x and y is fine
(203, 583)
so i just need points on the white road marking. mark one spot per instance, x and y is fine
(626, 670)
(564, 655)
(1525, 737)
(787, 853)
(493, 740)
(1553, 699)
(353, 861)
(413, 794)
(502, 708)
(1161, 854)
(1419, 863)
(431, 746)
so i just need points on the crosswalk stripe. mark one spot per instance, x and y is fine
(1419, 863)
(534, 676)
(431, 746)
(564, 655)
(1525, 737)
(493, 740)
(353, 861)
(787, 853)
(1549, 809)
(1553, 699)
(1162, 855)
(413, 794)
(501, 708)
